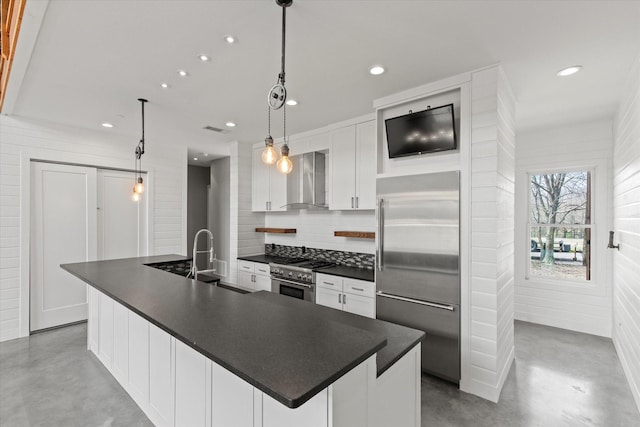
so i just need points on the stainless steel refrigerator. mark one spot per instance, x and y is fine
(418, 263)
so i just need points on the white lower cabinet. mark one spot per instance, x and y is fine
(139, 360)
(120, 366)
(176, 385)
(106, 331)
(193, 376)
(93, 331)
(254, 275)
(232, 400)
(354, 296)
(161, 376)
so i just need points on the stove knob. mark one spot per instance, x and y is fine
(305, 277)
(290, 274)
(299, 276)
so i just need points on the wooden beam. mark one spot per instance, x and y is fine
(12, 11)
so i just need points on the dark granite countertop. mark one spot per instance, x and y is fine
(273, 346)
(262, 258)
(350, 272)
(400, 339)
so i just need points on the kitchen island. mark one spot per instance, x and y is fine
(190, 353)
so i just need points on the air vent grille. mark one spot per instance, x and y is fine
(215, 129)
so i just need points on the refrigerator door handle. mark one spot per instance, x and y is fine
(415, 301)
(380, 234)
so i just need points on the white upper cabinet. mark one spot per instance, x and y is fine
(269, 189)
(353, 169)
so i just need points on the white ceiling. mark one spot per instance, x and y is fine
(93, 59)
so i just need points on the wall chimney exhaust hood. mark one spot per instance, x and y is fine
(306, 184)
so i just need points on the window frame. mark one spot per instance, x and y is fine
(594, 225)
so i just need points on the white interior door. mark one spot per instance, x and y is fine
(63, 230)
(121, 221)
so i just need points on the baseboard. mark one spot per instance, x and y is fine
(9, 334)
(600, 329)
(489, 391)
(634, 384)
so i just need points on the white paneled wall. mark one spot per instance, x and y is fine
(22, 140)
(626, 224)
(579, 307)
(315, 229)
(243, 222)
(492, 207)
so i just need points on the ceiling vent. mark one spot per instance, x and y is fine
(215, 129)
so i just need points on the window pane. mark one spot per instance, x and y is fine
(560, 198)
(560, 252)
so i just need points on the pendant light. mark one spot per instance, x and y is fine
(276, 99)
(138, 188)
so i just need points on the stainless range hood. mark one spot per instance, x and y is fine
(306, 183)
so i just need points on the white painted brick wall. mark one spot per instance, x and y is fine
(21, 139)
(626, 224)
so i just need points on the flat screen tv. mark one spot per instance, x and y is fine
(422, 132)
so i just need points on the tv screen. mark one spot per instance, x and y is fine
(422, 132)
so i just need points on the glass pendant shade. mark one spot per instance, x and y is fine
(269, 155)
(139, 186)
(135, 196)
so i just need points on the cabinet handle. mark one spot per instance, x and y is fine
(339, 298)
(329, 283)
(352, 206)
(357, 202)
(358, 289)
(344, 298)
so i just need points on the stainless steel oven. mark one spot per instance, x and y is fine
(303, 291)
(296, 280)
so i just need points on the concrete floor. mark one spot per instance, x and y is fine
(560, 378)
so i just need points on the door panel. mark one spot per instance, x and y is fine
(121, 222)
(63, 230)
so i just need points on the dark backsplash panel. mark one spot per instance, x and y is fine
(349, 259)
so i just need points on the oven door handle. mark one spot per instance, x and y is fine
(292, 282)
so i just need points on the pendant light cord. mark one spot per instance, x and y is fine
(284, 30)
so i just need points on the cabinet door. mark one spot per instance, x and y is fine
(329, 297)
(161, 376)
(262, 283)
(366, 165)
(191, 384)
(277, 187)
(138, 359)
(106, 331)
(120, 343)
(245, 279)
(357, 304)
(343, 175)
(260, 182)
(231, 399)
(94, 320)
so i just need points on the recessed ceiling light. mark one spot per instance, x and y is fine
(292, 102)
(182, 73)
(165, 85)
(569, 70)
(205, 154)
(195, 158)
(230, 124)
(203, 57)
(376, 70)
(230, 39)
(107, 125)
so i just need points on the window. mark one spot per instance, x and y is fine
(560, 225)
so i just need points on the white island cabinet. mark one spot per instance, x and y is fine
(176, 385)
(352, 295)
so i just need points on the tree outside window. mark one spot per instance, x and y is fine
(560, 225)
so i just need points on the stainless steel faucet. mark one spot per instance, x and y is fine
(212, 258)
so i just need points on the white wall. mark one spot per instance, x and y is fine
(243, 238)
(22, 140)
(576, 306)
(626, 224)
(315, 229)
(492, 207)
